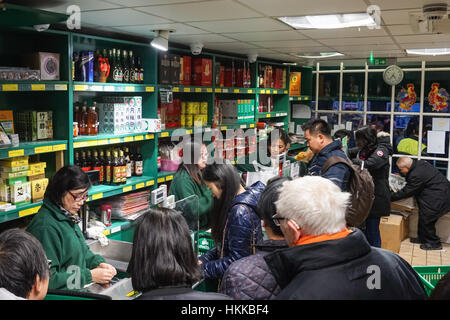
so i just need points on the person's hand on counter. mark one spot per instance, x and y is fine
(107, 266)
(103, 275)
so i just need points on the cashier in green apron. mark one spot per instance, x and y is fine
(188, 179)
(73, 265)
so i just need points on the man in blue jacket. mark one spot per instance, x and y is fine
(318, 137)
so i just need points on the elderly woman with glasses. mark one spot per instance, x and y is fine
(73, 265)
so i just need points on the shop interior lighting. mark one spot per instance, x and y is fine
(330, 21)
(429, 52)
(161, 41)
(319, 55)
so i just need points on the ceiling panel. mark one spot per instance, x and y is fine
(304, 49)
(356, 41)
(85, 5)
(304, 7)
(203, 38)
(287, 44)
(397, 30)
(266, 36)
(244, 25)
(402, 4)
(366, 47)
(344, 33)
(239, 47)
(134, 3)
(120, 17)
(444, 39)
(202, 11)
(423, 45)
(391, 17)
(146, 30)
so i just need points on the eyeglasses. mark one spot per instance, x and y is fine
(276, 220)
(79, 197)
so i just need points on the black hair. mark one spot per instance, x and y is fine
(22, 258)
(342, 133)
(162, 253)
(379, 125)
(266, 203)
(316, 126)
(366, 136)
(442, 289)
(192, 152)
(225, 177)
(282, 135)
(65, 179)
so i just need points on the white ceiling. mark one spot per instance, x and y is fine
(249, 26)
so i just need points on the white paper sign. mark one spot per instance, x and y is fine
(441, 124)
(348, 125)
(436, 142)
(291, 127)
(299, 130)
(301, 111)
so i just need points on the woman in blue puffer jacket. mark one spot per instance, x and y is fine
(235, 226)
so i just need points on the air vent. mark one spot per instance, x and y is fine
(436, 11)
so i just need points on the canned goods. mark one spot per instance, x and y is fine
(196, 108)
(204, 107)
(188, 121)
(190, 108)
(183, 108)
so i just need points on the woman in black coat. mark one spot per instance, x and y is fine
(374, 153)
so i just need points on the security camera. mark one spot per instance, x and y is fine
(41, 27)
(196, 48)
(252, 57)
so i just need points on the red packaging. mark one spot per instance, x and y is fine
(222, 76)
(229, 154)
(202, 75)
(240, 152)
(228, 144)
(240, 78)
(187, 70)
(240, 142)
(228, 82)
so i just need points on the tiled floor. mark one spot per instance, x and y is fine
(418, 257)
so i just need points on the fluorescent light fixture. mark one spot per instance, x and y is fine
(330, 21)
(429, 52)
(319, 55)
(161, 41)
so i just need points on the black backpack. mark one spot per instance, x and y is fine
(362, 189)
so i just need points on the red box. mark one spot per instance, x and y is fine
(202, 75)
(222, 76)
(187, 70)
(228, 81)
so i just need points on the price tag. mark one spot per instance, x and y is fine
(252, 125)
(43, 149)
(61, 87)
(38, 87)
(10, 87)
(249, 91)
(128, 139)
(198, 89)
(102, 142)
(306, 98)
(96, 88)
(115, 140)
(176, 89)
(91, 143)
(164, 134)
(27, 212)
(168, 178)
(208, 89)
(218, 90)
(187, 89)
(139, 138)
(225, 90)
(243, 126)
(16, 153)
(160, 180)
(275, 91)
(189, 131)
(150, 183)
(268, 115)
(81, 144)
(236, 90)
(149, 89)
(59, 147)
(80, 87)
(223, 128)
(129, 89)
(285, 91)
(128, 188)
(140, 185)
(149, 136)
(262, 92)
(97, 196)
(115, 229)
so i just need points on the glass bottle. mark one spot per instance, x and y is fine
(125, 67)
(76, 114)
(116, 170)
(83, 120)
(92, 125)
(132, 161)
(140, 70)
(119, 77)
(101, 159)
(128, 162)
(97, 56)
(123, 166)
(111, 54)
(132, 67)
(107, 165)
(138, 163)
(97, 165)
(77, 159)
(85, 166)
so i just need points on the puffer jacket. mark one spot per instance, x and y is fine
(376, 160)
(250, 278)
(241, 223)
(338, 173)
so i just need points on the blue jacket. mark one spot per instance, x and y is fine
(238, 233)
(339, 173)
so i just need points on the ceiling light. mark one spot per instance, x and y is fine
(161, 41)
(429, 52)
(330, 21)
(319, 55)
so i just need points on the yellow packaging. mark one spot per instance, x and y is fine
(183, 108)
(190, 108)
(188, 120)
(198, 120)
(196, 108)
(15, 162)
(204, 119)
(183, 120)
(38, 189)
(36, 177)
(204, 108)
(12, 175)
(35, 172)
(37, 166)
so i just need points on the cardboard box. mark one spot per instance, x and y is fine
(393, 230)
(295, 83)
(46, 62)
(14, 162)
(36, 177)
(174, 69)
(164, 68)
(407, 204)
(38, 189)
(21, 193)
(14, 169)
(12, 175)
(6, 121)
(202, 75)
(37, 166)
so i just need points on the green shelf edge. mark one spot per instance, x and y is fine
(93, 141)
(34, 86)
(105, 191)
(20, 212)
(29, 148)
(117, 87)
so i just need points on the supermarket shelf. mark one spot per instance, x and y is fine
(106, 139)
(233, 126)
(133, 183)
(23, 86)
(187, 89)
(112, 87)
(270, 114)
(20, 211)
(235, 90)
(187, 130)
(299, 98)
(34, 147)
(273, 91)
(164, 176)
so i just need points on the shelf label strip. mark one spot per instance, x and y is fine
(16, 153)
(160, 179)
(38, 87)
(139, 138)
(149, 89)
(43, 149)
(140, 185)
(27, 212)
(128, 188)
(164, 134)
(168, 178)
(10, 87)
(60, 87)
(59, 147)
(97, 196)
(150, 183)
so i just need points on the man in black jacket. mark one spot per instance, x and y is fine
(326, 260)
(432, 192)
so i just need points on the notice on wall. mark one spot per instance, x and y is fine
(436, 142)
(301, 111)
(299, 131)
(441, 124)
(348, 125)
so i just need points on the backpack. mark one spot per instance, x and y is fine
(362, 189)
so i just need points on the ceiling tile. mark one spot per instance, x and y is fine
(244, 25)
(343, 33)
(356, 41)
(398, 30)
(135, 3)
(238, 47)
(85, 5)
(391, 17)
(120, 17)
(401, 4)
(304, 49)
(444, 39)
(287, 44)
(296, 7)
(423, 45)
(146, 30)
(202, 11)
(202, 38)
(266, 36)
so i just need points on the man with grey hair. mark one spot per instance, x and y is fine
(432, 192)
(326, 260)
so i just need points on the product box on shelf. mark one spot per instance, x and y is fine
(21, 193)
(14, 169)
(18, 74)
(151, 125)
(14, 162)
(46, 62)
(164, 68)
(7, 121)
(202, 75)
(36, 177)
(5, 192)
(174, 69)
(34, 125)
(118, 115)
(12, 175)
(295, 79)
(13, 180)
(187, 71)
(38, 189)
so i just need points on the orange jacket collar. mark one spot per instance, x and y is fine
(323, 237)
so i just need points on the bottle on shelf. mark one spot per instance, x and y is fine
(138, 163)
(82, 123)
(89, 159)
(97, 56)
(107, 165)
(123, 166)
(116, 168)
(132, 67)
(77, 159)
(112, 63)
(119, 66)
(76, 114)
(125, 67)
(132, 161)
(128, 162)
(140, 70)
(97, 165)
(84, 165)
(101, 160)
(92, 123)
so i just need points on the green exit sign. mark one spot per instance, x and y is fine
(377, 62)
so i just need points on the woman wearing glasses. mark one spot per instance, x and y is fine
(188, 179)
(73, 265)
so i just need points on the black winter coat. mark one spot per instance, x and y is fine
(180, 293)
(341, 269)
(430, 188)
(249, 278)
(376, 160)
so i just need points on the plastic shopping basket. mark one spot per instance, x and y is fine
(205, 242)
(430, 276)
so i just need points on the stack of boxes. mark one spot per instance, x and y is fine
(235, 147)
(34, 125)
(177, 70)
(119, 115)
(237, 111)
(184, 114)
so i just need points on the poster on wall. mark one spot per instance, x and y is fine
(436, 142)
(407, 97)
(437, 97)
(441, 124)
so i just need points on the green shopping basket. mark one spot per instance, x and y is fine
(430, 276)
(205, 242)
